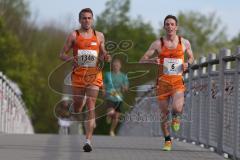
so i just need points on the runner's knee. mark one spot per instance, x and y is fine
(91, 103)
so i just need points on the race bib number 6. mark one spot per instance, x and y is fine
(172, 66)
(87, 58)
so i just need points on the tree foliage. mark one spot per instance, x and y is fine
(116, 24)
(205, 32)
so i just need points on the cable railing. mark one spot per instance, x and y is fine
(14, 117)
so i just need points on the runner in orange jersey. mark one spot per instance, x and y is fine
(88, 49)
(170, 86)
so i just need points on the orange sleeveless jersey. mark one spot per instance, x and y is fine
(167, 85)
(86, 76)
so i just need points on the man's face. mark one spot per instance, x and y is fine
(170, 26)
(116, 66)
(86, 20)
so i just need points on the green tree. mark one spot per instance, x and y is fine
(15, 14)
(205, 32)
(27, 58)
(115, 23)
(116, 13)
(15, 64)
(234, 43)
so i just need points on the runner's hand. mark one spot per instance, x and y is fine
(185, 67)
(75, 63)
(124, 88)
(107, 57)
(157, 61)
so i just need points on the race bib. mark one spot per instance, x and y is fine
(87, 58)
(172, 66)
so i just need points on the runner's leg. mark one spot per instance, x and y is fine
(91, 93)
(178, 101)
(163, 104)
(114, 122)
(78, 98)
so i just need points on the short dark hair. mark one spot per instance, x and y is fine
(85, 10)
(172, 17)
(116, 59)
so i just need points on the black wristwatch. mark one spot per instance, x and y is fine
(189, 65)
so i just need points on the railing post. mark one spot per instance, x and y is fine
(193, 75)
(3, 103)
(203, 59)
(236, 90)
(195, 71)
(204, 71)
(1, 99)
(7, 107)
(211, 68)
(222, 67)
(187, 104)
(197, 74)
(190, 76)
(200, 73)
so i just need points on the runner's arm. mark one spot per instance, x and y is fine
(103, 52)
(125, 85)
(155, 47)
(189, 55)
(66, 48)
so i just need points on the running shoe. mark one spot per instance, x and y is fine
(112, 134)
(167, 146)
(87, 147)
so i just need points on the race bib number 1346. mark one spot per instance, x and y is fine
(87, 58)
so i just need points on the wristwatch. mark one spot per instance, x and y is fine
(189, 65)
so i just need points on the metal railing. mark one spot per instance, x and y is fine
(212, 105)
(13, 113)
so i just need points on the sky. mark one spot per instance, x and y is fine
(65, 12)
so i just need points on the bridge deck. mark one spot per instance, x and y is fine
(56, 147)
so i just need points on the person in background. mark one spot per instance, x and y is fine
(115, 83)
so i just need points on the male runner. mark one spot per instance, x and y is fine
(88, 51)
(170, 50)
